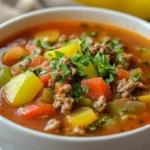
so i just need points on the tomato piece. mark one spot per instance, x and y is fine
(34, 110)
(97, 87)
(44, 79)
(40, 62)
(122, 74)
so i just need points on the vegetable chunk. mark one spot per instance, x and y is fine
(22, 88)
(68, 51)
(13, 55)
(32, 111)
(97, 88)
(5, 76)
(82, 117)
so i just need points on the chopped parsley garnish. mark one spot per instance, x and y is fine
(144, 49)
(55, 74)
(105, 69)
(38, 51)
(99, 123)
(119, 56)
(37, 71)
(43, 72)
(94, 34)
(95, 105)
(76, 89)
(84, 46)
(116, 41)
(85, 89)
(92, 128)
(59, 54)
(137, 77)
(65, 69)
(42, 44)
(20, 65)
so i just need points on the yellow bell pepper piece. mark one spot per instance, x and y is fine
(47, 36)
(144, 98)
(22, 88)
(82, 117)
(69, 51)
(90, 71)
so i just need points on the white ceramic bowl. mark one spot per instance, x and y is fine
(16, 137)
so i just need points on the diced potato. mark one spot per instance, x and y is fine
(5, 76)
(47, 95)
(144, 98)
(69, 50)
(82, 117)
(22, 88)
(13, 55)
(47, 36)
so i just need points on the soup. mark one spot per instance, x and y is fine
(76, 79)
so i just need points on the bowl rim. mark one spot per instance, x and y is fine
(70, 138)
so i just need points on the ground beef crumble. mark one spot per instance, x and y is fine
(100, 104)
(126, 87)
(63, 102)
(80, 131)
(52, 125)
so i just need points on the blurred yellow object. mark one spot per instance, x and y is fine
(140, 8)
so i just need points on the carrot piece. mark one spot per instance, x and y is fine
(33, 110)
(122, 74)
(37, 61)
(97, 88)
(44, 79)
(13, 55)
(40, 62)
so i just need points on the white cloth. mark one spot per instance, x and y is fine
(13, 8)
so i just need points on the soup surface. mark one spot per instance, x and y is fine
(76, 79)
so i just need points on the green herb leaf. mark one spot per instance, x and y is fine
(137, 77)
(37, 71)
(94, 34)
(116, 41)
(85, 89)
(84, 45)
(92, 128)
(144, 49)
(65, 69)
(59, 54)
(43, 72)
(76, 88)
(120, 59)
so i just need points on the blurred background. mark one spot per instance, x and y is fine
(13, 8)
